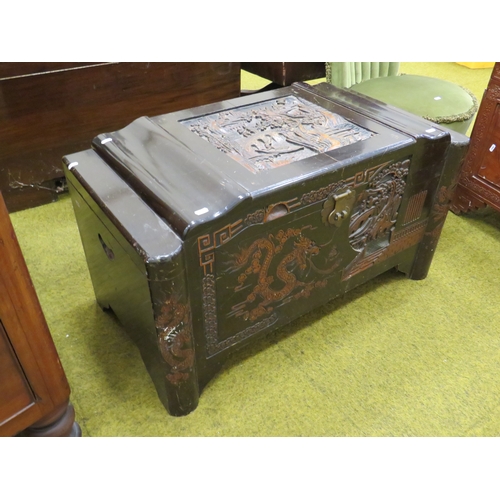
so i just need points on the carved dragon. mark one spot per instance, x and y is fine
(260, 255)
(174, 339)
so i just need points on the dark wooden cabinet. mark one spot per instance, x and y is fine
(34, 391)
(48, 110)
(479, 182)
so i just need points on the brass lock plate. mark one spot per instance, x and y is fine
(337, 207)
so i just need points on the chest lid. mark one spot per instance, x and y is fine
(194, 165)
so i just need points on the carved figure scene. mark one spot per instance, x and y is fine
(375, 214)
(274, 133)
(376, 211)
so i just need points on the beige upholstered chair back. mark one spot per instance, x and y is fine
(346, 74)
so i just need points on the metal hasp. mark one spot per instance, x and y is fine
(337, 207)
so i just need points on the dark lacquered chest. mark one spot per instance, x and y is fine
(208, 227)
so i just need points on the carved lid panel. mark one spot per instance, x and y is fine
(277, 132)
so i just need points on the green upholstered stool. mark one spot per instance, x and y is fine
(439, 101)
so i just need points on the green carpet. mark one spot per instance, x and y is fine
(393, 357)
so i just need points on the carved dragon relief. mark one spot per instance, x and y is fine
(175, 339)
(276, 132)
(440, 211)
(287, 282)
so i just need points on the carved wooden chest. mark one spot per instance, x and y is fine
(207, 227)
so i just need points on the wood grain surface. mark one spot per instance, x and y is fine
(48, 110)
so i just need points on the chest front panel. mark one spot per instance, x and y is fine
(277, 262)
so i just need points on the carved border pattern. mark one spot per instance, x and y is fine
(494, 92)
(210, 312)
(256, 217)
(322, 193)
(362, 177)
(488, 194)
(209, 242)
(465, 200)
(405, 238)
(409, 233)
(400, 240)
(214, 346)
(496, 71)
(260, 216)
